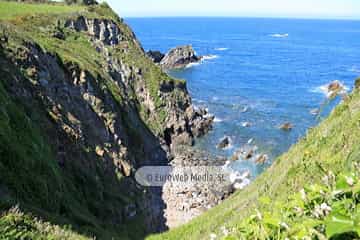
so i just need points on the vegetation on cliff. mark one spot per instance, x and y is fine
(80, 110)
(332, 147)
(79, 113)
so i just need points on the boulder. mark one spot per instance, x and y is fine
(335, 86)
(261, 159)
(156, 56)
(286, 126)
(179, 57)
(224, 143)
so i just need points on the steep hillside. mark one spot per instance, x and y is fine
(333, 146)
(82, 107)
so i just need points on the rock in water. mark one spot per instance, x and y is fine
(224, 143)
(335, 86)
(179, 57)
(262, 159)
(156, 56)
(315, 111)
(286, 127)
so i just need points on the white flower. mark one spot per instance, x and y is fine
(213, 236)
(303, 194)
(284, 225)
(321, 211)
(325, 208)
(350, 181)
(225, 231)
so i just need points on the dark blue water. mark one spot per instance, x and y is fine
(275, 77)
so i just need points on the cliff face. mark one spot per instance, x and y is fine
(82, 107)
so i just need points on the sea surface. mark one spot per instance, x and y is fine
(263, 72)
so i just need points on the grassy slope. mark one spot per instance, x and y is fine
(30, 167)
(333, 145)
(9, 10)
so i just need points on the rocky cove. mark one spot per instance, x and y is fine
(104, 113)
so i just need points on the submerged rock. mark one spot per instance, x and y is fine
(262, 159)
(286, 126)
(179, 57)
(224, 143)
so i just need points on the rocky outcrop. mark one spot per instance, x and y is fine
(104, 115)
(224, 143)
(179, 57)
(156, 56)
(104, 30)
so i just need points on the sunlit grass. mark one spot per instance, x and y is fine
(10, 10)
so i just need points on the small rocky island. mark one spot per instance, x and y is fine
(176, 58)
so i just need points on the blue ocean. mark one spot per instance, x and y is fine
(258, 74)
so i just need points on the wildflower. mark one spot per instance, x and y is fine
(225, 231)
(213, 236)
(303, 194)
(321, 211)
(325, 208)
(350, 181)
(284, 226)
(258, 215)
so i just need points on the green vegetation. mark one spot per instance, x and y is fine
(327, 211)
(83, 196)
(16, 225)
(10, 10)
(332, 146)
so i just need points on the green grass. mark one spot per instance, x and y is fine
(10, 10)
(333, 145)
(14, 224)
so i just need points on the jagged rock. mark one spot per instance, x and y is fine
(335, 86)
(224, 143)
(179, 57)
(58, 34)
(103, 30)
(156, 56)
(262, 159)
(286, 126)
(249, 154)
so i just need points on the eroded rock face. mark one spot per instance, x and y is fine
(156, 56)
(187, 201)
(91, 128)
(103, 30)
(179, 57)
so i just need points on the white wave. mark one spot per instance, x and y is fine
(354, 69)
(324, 89)
(209, 57)
(194, 64)
(221, 49)
(279, 35)
(218, 120)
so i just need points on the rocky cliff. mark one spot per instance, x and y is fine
(82, 107)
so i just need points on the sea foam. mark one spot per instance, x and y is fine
(221, 49)
(279, 35)
(209, 57)
(324, 89)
